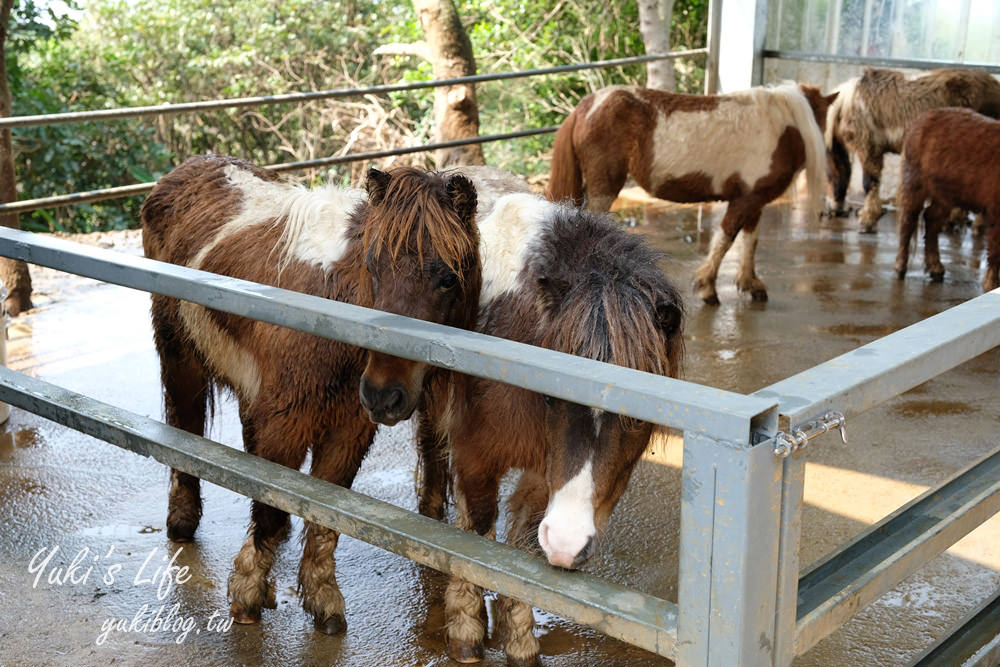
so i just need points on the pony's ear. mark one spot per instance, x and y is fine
(463, 197)
(551, 292)
(831, 97)
(376, 184)
(668, 317)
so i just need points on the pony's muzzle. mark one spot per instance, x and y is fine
(385, 405)
(570, 552)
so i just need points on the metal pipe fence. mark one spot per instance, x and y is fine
(26, 205)
(121, 192)
(873, 61)
(313, 96)
(741, 504)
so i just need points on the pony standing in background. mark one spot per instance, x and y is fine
(744, 148)
(873, 113)
(950, 157)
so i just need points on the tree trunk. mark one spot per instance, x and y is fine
(456, 113)
(14, 274)
(654, 24)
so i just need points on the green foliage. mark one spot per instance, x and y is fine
(144, 52)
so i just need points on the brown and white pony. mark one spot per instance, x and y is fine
(952, 158)
(298, 392)
(570, 280)
(743, 148)
(871, 115)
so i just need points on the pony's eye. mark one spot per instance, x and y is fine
(549, 401)
(448, 281)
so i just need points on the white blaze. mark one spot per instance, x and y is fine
(569, 519)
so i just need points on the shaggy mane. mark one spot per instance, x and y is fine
(417, 211)
(609, 311)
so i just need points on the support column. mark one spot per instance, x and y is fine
(739, 551)
(741, 43)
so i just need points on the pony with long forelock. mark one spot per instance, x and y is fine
(297, 392)
(950, 158)
(744, 148)
(569, 280)
(873, 112)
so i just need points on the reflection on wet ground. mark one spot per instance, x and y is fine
(831, 290)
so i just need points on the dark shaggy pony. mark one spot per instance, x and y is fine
(743, 148)
(952, 158)
(298, 392)
(871, 115)
(569, 280)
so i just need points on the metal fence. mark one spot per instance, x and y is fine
(740, 598)
(121, 192)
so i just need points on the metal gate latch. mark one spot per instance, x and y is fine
(785, 444)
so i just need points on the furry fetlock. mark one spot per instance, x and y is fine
(465, 629)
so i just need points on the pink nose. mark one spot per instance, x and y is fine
(563, 555)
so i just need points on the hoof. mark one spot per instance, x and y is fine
(182, 532)
(524, 662)
(759, 295)
(868, 228)
(711, 299)
(900, 274)
(335, 625)
(243, 616)
(465, 652)
(936, 276)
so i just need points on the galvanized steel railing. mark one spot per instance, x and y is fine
(740, 599)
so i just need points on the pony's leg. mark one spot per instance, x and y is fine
(991, 280)
(740, 212)
(249, 588)
(603, 180)
(432, 487)
(514, 617)
(704, 277)
(911, 197)
(934, 219)
(840, 176)
(335, 460)
(746, 278)
(872, 210)
(185, 398)
(465, 613)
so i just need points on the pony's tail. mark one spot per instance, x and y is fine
(805, 121)
(566, 179)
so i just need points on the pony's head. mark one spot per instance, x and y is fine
(600, 296)
(421, 259)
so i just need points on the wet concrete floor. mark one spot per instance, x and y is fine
(831, 289)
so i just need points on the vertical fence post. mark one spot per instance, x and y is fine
(712, 60)
(728, 596)
(792, 488)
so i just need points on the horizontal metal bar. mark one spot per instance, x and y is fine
(973, 641)
(888, 552)
(685, 405)
(873, 61)
(880, 370)
(142, 188)
(238, 102)
(620, 612)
